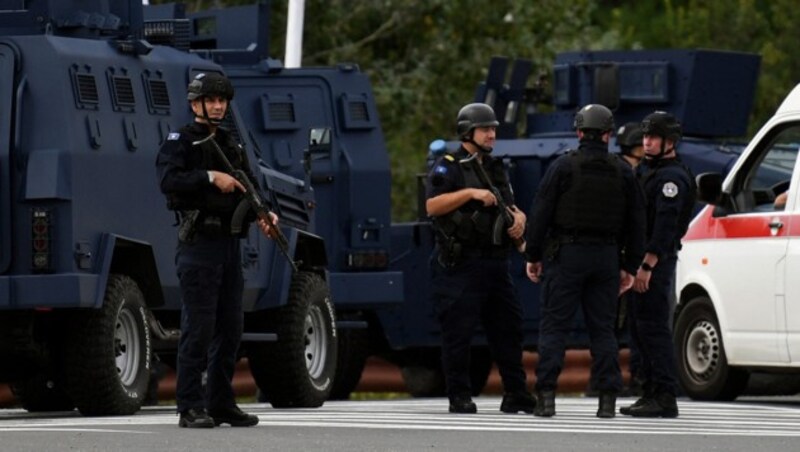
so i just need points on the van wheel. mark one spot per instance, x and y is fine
(297, 371)
(107, 352)
(702, 366)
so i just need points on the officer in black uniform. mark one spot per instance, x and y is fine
(587, 207)
(470, 265)
(208, 255)
(629, 141)
(670, 191)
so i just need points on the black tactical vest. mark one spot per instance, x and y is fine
(209, 200)
(594, 204)
(471, 225)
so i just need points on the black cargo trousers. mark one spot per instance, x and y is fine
(212, 321)
(478, 292)
(582, 275)
(651, 312)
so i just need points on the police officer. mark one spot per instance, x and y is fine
(208, 258)
(587, 207)
(470, 265)
(629, 141)
(670, 192)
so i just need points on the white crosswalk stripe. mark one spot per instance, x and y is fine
(573, 415)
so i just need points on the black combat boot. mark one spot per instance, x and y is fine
(514, 402)
(626, 410)
(234, 417)
(661, 405)
(195, 418)
(647, 393)
(607, 405)
(462, 404)
(546, 406)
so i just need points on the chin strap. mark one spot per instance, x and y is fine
(214, 122)
(480, 148)
(661, 153)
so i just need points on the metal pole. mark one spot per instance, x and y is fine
(294, 34)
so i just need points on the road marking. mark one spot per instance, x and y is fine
(574, 415)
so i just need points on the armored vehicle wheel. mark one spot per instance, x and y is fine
(424, 377)
(42, 392)
(352, 351)
(107, 352)
(298, 370)
(702, 366)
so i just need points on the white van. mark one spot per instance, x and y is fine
(738, 276)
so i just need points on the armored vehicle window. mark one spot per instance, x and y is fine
(123, 93)
(358, 111)
(279, 112)
(86, 91)
(157, 96)
(357, 114)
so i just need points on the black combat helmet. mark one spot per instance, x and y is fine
(662, 124)
(208, 84)
(629, 136)
(594, 117)
(474, 115)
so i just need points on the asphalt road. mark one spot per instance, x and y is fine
(420, 424)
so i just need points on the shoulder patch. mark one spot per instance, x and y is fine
(449, 158)
(173, 136)
(440, 169)
(670, 190)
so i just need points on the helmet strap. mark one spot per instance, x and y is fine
(213, 122)
(470, 139)
(663, 150)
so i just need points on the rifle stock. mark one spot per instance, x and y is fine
(253, 198)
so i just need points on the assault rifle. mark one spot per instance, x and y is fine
(253, 199)
(505, 220)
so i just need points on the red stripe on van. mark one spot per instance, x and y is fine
(707, 227)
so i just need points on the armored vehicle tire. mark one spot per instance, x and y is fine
(107, 352)
(352, 351)
(424, 377)
(297, 370)
(703, 369)
(41, 392)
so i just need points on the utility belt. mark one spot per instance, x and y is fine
(194, 224)
(587, 239)
(585, 236)
(554, 242)
(455, 253)
(486, 253)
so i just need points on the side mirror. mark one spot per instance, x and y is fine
(319, 140)
(319, 144)
(709, 188)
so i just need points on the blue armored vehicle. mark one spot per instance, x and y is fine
(89, 297)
